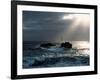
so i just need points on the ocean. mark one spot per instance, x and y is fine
(35, 56)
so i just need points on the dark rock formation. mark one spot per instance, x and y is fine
(66, 45)
(47, 45)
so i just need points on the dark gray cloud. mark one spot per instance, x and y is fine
(50, 26)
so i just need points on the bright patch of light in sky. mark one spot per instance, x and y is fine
(83, 19)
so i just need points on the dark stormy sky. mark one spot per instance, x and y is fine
(55, 26)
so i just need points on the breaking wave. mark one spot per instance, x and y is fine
(55, 57)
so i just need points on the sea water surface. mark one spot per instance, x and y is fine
(55, 56)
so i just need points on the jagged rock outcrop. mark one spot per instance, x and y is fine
(47, 45)
(66, 45)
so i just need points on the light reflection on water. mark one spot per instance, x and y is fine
(80, 44)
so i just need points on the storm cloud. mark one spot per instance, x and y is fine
(54, 26)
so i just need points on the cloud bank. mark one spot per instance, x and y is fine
(55, 26)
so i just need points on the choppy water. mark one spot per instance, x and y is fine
(56, 56)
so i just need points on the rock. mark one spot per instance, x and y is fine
(47, 45)
(66, 45)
